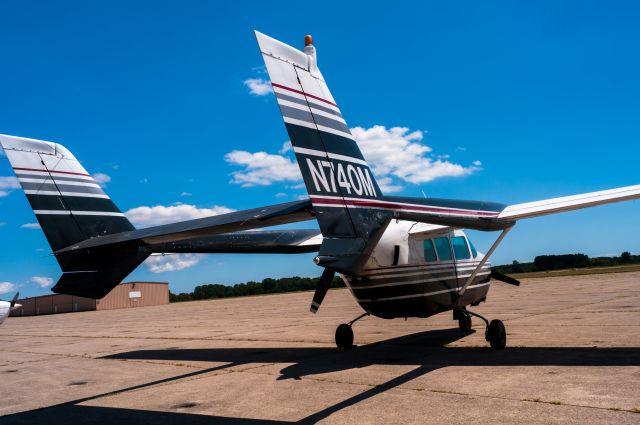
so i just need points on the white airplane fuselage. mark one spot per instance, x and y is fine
(416, 270)
(5, 309)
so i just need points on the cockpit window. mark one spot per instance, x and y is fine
(443, 248)
(460, 248)
(474, 252)
(429, 251)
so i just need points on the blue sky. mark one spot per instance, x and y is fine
(153, 94)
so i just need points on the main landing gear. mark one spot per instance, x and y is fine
(344, 333)
(495, 332)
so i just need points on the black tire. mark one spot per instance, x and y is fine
(497, 335)
(344, 336)
(464, 323)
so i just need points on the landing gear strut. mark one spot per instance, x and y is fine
(344, 333)
(495, 332)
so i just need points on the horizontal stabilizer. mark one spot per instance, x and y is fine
(273, 215)
(292, 241)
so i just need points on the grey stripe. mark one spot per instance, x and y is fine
(61, 187)
(429, 271)
(328, 122)
(310, 103)
(298, 114)
(56, 178)
(396, 282)
(425, 295)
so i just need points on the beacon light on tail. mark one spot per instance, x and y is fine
(400, 257)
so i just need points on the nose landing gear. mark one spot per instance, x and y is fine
(344, 333)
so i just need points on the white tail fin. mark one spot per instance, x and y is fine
(335, 173)
(68, 203)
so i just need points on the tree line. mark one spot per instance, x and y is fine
(267, 286)
(566, 261)
(296, 283)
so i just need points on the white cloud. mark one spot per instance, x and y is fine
(258, 86)
(278, 195)
(41, 281)
(102, 179)
(286, 147)
(6, 287)
(262, 169)
(396, 155)
(186, 194)
(30, 226)
(387, 186)
(7, 184)
(397, 152)
(171, 263)
(159, 214)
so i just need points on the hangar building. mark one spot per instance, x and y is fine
(125, 295)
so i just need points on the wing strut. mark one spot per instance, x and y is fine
(484, 260)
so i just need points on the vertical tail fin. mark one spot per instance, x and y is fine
(337, 177)
(68, 203)
(71, 207)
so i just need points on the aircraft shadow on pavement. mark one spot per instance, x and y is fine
(426, 350)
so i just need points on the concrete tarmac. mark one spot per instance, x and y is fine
(573, 357)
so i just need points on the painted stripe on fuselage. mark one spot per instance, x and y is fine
(447, 277)
(403, 270)
(424, 295)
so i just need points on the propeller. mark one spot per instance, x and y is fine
(15, 298)
(321, 290)
(504, 278)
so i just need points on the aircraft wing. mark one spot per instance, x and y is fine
(493, 216)
(568, 203)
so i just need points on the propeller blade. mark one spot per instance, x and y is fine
(321, 290)
(504, 278)
(15, 298)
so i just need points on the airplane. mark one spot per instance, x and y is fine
(6, 307)
(399, 257)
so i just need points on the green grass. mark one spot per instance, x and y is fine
(578, 272)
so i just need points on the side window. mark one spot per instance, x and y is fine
(429, 251)
(474, 252)
(443, 248)
(460, 248)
